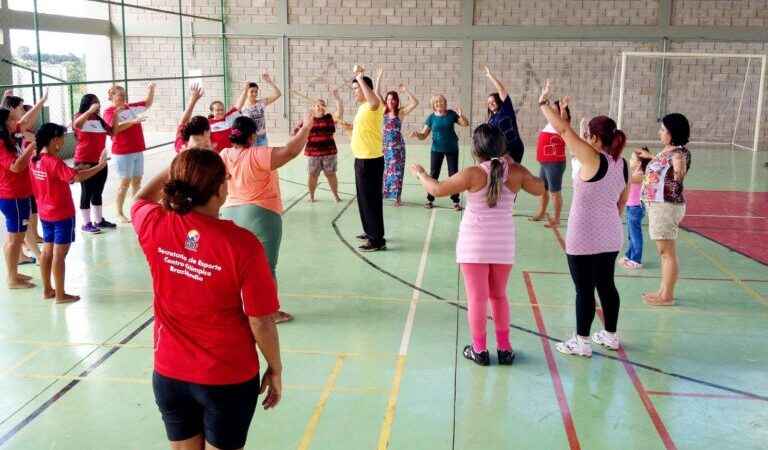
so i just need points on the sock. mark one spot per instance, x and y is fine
(97, 216)
(86, 215)
(478, 343)
(502, 340)
(582, 340)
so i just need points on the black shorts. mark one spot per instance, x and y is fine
(221, 413)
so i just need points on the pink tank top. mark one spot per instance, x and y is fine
(634, 194)
(487, 235)
(594, 224)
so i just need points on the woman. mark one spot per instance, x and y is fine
(206, 367)
(550, 153)
(251, 106)
(128, 142)
(254, 200)
(194, 131)
(91, 131)
(445, 142)
(485, 247)
(15, 198)
(501, 114)
(664, 199)
(393, 142)
(321, 146)
(50, 182)
(594, 235)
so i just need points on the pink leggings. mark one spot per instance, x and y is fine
(487, 282)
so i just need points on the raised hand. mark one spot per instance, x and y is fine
(152, 85)
(335, 93)
(44, 98)
(29, 137)
(459, 110)
(94, 107)
(196, 92)
(266, 77)
(379, 70)
(309, 117)
(545, 91)
(488, 72)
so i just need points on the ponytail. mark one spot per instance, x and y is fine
(619, 141)
(180, 197)
(45, 134)
(495, 182)
(5, 133)
(613, 140)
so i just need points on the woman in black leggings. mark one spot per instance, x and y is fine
(91, 131)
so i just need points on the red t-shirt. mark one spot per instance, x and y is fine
(50, 182)
(179, 142)
(550, 147)
(209, 276)
(13, 185)
(91, 140)
(320, 141)
(130, 140)
(221, 129)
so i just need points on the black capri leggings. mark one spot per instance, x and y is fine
(436, 165)
(590, 272)
(92, 188)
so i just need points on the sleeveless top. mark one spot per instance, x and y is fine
(594, 224)
(487, 235)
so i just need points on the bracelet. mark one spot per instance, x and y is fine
(543, 102)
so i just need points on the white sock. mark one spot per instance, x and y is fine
(582, 340)
(97, 216)
(86, 215)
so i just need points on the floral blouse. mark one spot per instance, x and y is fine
(659, 184)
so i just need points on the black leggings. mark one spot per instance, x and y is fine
(436, 164)
(92, 188)
(590, 272)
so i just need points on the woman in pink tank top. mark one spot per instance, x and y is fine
(485, 247)
(595, 234)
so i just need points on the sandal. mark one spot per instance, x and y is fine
(282, 316)
(428, 205)
(457, 207)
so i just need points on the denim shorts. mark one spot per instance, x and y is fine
(552, 174)
(130, 165)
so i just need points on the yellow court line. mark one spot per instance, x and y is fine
(389, 413)
(720, 266)
(320, 407)
(26, 358)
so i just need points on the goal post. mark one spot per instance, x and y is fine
(723, 97)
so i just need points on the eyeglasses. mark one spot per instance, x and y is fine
(585, 135)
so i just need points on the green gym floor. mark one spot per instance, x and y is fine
(372, 359)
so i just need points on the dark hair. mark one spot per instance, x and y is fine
(242, 130)
(197, 126)
(567, 109)
(253, 85)
(12, 101)
(644, 162)
(45, 134)
(195, 176)
(397, 99)
(678, 127)
(85, 104)
(5, 133)
(497, 99)
(488, 143)
(604, 128)
(367, 80)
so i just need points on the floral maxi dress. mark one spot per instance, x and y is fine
(394, 157)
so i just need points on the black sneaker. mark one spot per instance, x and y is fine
(371, 247)
(105, 224)
(505, 357)
(363, 237)
(481, 359)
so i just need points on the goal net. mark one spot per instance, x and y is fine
(720, 94)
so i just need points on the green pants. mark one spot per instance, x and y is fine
(265, 224)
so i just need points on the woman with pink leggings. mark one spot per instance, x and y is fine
(485, 247)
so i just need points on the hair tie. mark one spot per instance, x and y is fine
(189, 199)
(496, 159)
(236, 133)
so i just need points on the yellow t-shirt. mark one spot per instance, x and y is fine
(366, 132)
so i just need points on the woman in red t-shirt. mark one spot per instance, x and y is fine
(206, 367)
(193, 131)
(50, 183)
(550, 153)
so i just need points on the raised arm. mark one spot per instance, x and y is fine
(463, 121)
(31, 116)
(195, 94)
(276, 90)
(370, 96)
(421, 135)
(282, 155)
(243, 95)
(496, 84)
(150, 95)
(339, 113)
(79, 122)
(377, 84)
(412, 102)
(22, 162)
(583, 152)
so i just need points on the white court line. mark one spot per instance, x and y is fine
(717, 216)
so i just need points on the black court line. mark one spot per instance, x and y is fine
(691, 230)
(533, 332)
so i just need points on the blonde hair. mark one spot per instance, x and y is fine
(113, 90)
(435, 98)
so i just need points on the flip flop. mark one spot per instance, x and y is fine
(30, 260)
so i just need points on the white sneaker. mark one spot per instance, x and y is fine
(622, 260)
(606, 339)
(629, 264)
(575, 346)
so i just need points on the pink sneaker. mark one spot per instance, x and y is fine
(629, 264)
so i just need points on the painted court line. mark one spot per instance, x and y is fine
(697, 395)
(320, 407)
(557, 383)
(389, 413)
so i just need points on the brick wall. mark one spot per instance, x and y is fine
(375, 12)
(736, 13)
(566, 12)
